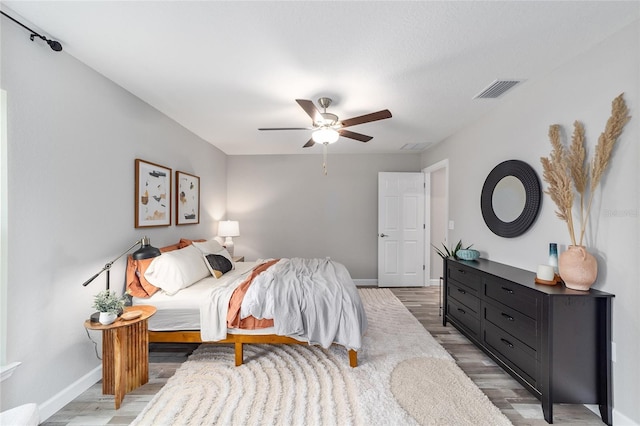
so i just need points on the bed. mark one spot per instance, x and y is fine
(202, 296)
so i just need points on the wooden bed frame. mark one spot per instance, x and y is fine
(237, 339)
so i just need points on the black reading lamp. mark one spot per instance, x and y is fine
(146, 251)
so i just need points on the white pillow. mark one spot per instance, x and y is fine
(209, 247)
(174, 270)
(213, 247)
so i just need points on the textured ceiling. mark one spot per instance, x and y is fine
(224, 69)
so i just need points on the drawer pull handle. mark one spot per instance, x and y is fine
(508, 343)
(462, 271)
(462, 291)
(508, 317)
(462, 311)
(508, 290)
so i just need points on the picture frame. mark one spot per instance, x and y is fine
(152, 194)
(187, 199)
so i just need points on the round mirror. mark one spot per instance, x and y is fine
(510, 198)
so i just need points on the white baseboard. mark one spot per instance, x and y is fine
(622, 420)
(618, 418)
(370, 282)
(373, 282)
(68, 394)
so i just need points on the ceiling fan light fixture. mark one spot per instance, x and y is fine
(325, 135)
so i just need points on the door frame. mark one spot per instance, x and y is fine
(442, 164)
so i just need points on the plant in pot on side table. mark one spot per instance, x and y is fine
(109, 305)
(566, 170)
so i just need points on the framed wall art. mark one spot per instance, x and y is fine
(153, 195)
(187, 199)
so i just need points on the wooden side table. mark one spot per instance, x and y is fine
(125, 352)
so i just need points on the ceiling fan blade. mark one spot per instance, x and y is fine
(310, 109)
(353, 135)
(286, 128)
(309, 144)
(374, 116)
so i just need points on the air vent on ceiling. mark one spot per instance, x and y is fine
(496, 89)
(414, 146)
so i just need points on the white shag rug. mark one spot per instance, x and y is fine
(404, 377)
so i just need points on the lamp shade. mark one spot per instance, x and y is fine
(228, 228)
(325, 135)
(146, 250)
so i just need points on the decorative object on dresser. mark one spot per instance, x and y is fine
(545, 274)
(125, 352)
(468, 254)
(228, 229)
(187, 199)
(146, 251)
(510, 198)
(566, 170)
(153, 195)
(535, 333)
(453, 251)
(553, 256)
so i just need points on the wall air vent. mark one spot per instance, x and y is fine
(496, 89)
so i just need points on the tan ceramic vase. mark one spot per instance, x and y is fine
(577, 268)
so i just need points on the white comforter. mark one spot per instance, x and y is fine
(313, 300)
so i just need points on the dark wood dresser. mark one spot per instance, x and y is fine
(553, 340)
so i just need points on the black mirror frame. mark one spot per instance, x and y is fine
(525, 174)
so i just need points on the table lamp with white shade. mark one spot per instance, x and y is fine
(228, 229)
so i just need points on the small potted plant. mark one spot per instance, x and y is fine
(109, 305)
(457, 252)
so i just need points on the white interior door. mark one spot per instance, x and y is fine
(401, 229)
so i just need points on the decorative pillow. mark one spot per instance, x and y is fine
(137, 285)
(218, 264)
(213, 247)
(178, 269)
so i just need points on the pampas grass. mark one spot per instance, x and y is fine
(566, 170)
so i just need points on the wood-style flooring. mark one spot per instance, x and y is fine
(93, 408)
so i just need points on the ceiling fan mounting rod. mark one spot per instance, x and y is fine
(324, 103)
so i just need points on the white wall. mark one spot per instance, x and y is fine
(72, 139)
(582, 90)
(288, 208)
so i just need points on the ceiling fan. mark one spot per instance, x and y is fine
(327, 128)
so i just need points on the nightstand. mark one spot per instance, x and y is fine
(237, 258)
(125, 352)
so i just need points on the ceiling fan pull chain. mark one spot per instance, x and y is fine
(324, 157)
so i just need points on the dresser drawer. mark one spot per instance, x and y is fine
(512, 351)
(513, 295)
(464, 296)
(463, 316)
(466, 276)
(513, 322)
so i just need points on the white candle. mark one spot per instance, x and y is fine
(545, 272)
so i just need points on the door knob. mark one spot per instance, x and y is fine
(383, 235)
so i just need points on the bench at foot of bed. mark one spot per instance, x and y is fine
(237, 339)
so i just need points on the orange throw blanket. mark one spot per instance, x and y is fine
(233, 316)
